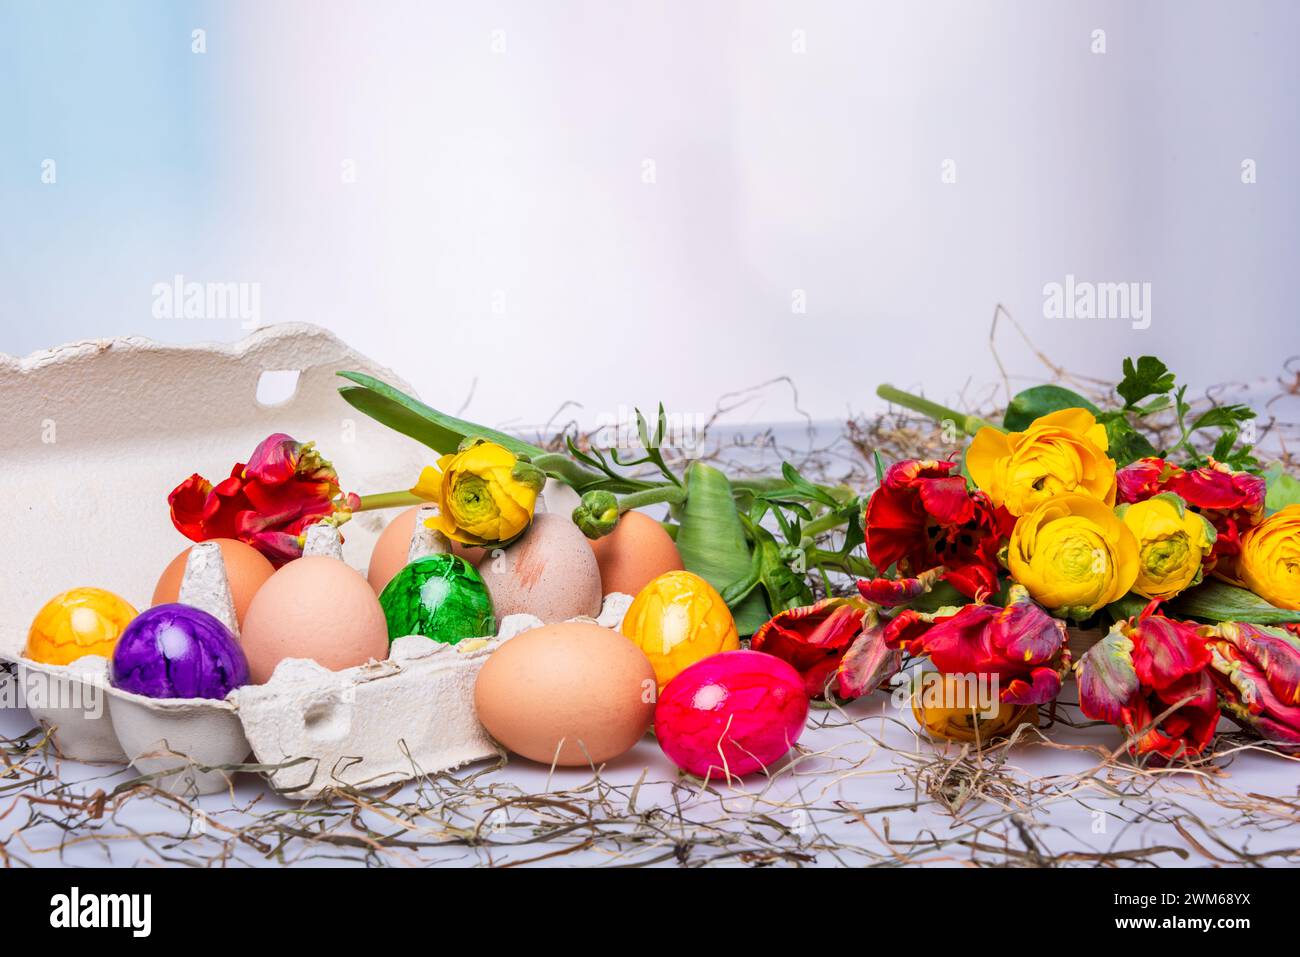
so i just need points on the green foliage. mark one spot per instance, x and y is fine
(1147, 388)
(1146, 377)
(1041, 400)
(1283, 490)
(713, 545)
(1214, 601)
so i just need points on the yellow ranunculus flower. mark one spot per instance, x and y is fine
(485, 493)
(949, 709)
(1270, 558)
(1173, 543)
(1073, 554)
(678, 619)
(1063, 451)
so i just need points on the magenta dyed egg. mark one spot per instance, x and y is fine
(731, 713)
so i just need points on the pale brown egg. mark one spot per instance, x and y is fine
(634, 554)
(389, 554)
(246, 567)
(318, 608)
(550, 572)
(573, 693)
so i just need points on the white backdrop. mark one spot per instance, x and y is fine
(616, 203)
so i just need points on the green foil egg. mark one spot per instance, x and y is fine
(440, 597)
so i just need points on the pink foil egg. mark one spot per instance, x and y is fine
(731, 713)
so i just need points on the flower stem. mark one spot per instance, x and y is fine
(672, 494)
(370, 503)
(969, 424)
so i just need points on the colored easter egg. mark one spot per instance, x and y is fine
(677, 620)
(177, 651)
(441, 597)
(390, 552)
(82, 621)
(731, 714)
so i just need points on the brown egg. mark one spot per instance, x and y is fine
(550, 572)
(246, 567)
(389, 554)
(634, 554)
(314, 607)
(573, 693)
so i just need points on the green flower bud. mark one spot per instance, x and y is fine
(596, 514)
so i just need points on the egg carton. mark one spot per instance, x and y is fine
(94, 436)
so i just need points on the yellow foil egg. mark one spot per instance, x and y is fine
(79, 622)
(678, 619)
(951, 708)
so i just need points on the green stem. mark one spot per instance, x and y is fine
(826, 523)
(851, 564)
(379, 500)
(672, 494)
(970, 424)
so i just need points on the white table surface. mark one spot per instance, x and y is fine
(845, 801)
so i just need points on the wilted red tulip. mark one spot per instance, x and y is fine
(814, 639)
(285, 488)
(1143, 668)
(923, 517)
(1021, 644)
(1231, 501)
(1257, 672)
(891, 592)
(868, 663)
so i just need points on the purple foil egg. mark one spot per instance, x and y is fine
(177, 651)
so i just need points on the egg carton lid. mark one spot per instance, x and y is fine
(95, 434)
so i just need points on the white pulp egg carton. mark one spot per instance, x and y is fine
(94, 436)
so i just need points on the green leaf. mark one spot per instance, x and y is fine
(941, 595)
(1216, 600)
(1147, 377)
(1223, 416)
(1283, 490)
(399, 418)
(1126, 444)
(712, 542)
(399, 411)
(1129, 606)
(1040, 400)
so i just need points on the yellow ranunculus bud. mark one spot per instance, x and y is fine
(485, 493)
(1173, 543)
(1270, 558)
(678, 619)
(1063, 451)
(1073, 554)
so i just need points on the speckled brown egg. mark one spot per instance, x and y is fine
(573, 693)
(634, 554)
(246, 568)
(550, 572)
(389, 554)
